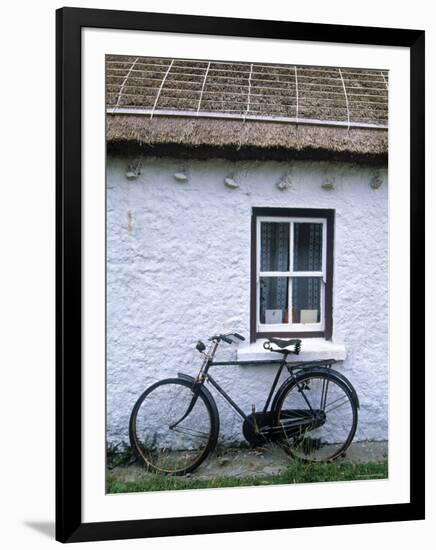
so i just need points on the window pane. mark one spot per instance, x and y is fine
(306, 300)
(274, 246)
(273, 300)
(308, 246)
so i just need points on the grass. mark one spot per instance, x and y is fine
(296, 472)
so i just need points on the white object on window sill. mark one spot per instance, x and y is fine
(273, 316)
(308, 316)
(312, 349)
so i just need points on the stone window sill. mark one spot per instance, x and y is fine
(312, 349)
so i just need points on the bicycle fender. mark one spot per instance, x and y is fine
(321, 370)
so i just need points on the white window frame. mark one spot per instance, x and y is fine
(291, 327)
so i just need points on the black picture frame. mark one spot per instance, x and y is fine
(69, 525)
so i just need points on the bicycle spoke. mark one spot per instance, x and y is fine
(191, 431)
(344, 402)
(342, 398)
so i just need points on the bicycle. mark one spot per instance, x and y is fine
(313, 415)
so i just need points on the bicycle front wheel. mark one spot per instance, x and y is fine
(317, 417)
(172, 429)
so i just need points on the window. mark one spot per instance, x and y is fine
(292, 272)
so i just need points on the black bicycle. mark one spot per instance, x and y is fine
(174, 424)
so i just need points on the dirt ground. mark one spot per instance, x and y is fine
(256, 462)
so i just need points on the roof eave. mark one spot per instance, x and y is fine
(235, 139)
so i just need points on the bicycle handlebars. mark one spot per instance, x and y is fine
(226, 337)
(218, 338)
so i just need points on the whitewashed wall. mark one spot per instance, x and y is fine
(178, 269)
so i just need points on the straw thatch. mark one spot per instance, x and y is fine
(221, 103)
(229, 138)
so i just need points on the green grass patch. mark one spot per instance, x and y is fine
(296, 472)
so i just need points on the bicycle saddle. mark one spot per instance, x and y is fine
(283, 343)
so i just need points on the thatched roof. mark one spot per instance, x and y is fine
(242, 109)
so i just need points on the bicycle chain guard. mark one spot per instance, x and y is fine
(261, 420)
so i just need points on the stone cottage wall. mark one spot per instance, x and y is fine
(178, 269)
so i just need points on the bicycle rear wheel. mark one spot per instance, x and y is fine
(317, 417)
(165, 434)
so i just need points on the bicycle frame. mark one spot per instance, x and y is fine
(204, 376)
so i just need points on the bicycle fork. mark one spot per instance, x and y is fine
(208, 358)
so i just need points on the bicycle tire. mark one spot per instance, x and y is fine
(155, 457)
(300, 443)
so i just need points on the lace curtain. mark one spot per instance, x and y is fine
(275, 257)
(307, 257)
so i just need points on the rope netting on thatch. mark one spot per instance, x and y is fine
(247, 91)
